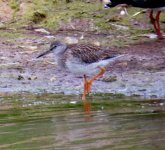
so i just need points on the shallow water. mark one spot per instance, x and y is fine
(58, 122)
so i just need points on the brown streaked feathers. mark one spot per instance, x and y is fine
(88, 53)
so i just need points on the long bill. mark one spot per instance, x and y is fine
(44, 53)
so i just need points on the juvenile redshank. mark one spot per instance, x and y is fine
(82, 59)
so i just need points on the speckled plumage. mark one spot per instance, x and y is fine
(88, 53)
(81, 58)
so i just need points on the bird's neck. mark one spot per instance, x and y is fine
(59, 60)
(59, 55)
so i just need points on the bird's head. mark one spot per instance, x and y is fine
(56, 47)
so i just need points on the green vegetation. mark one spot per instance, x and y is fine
(53, 13)
(9, 34)
(14, 4)
(82, 15)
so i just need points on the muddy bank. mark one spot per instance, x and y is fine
(140, 73)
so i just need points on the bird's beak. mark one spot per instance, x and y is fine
(45, 53)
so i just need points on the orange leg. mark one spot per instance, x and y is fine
(102, 71)
(87, 87)
(88, 82)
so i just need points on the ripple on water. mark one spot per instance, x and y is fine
(111, 124)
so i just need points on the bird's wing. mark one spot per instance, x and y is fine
(90, 53)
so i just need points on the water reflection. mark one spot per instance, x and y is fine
(110, 131)
(119, 128)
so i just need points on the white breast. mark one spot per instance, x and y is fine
(76, 66)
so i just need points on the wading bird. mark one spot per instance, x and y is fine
(153, 6)
(82, 59)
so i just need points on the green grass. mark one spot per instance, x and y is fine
(10, 34)
(56, 15)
